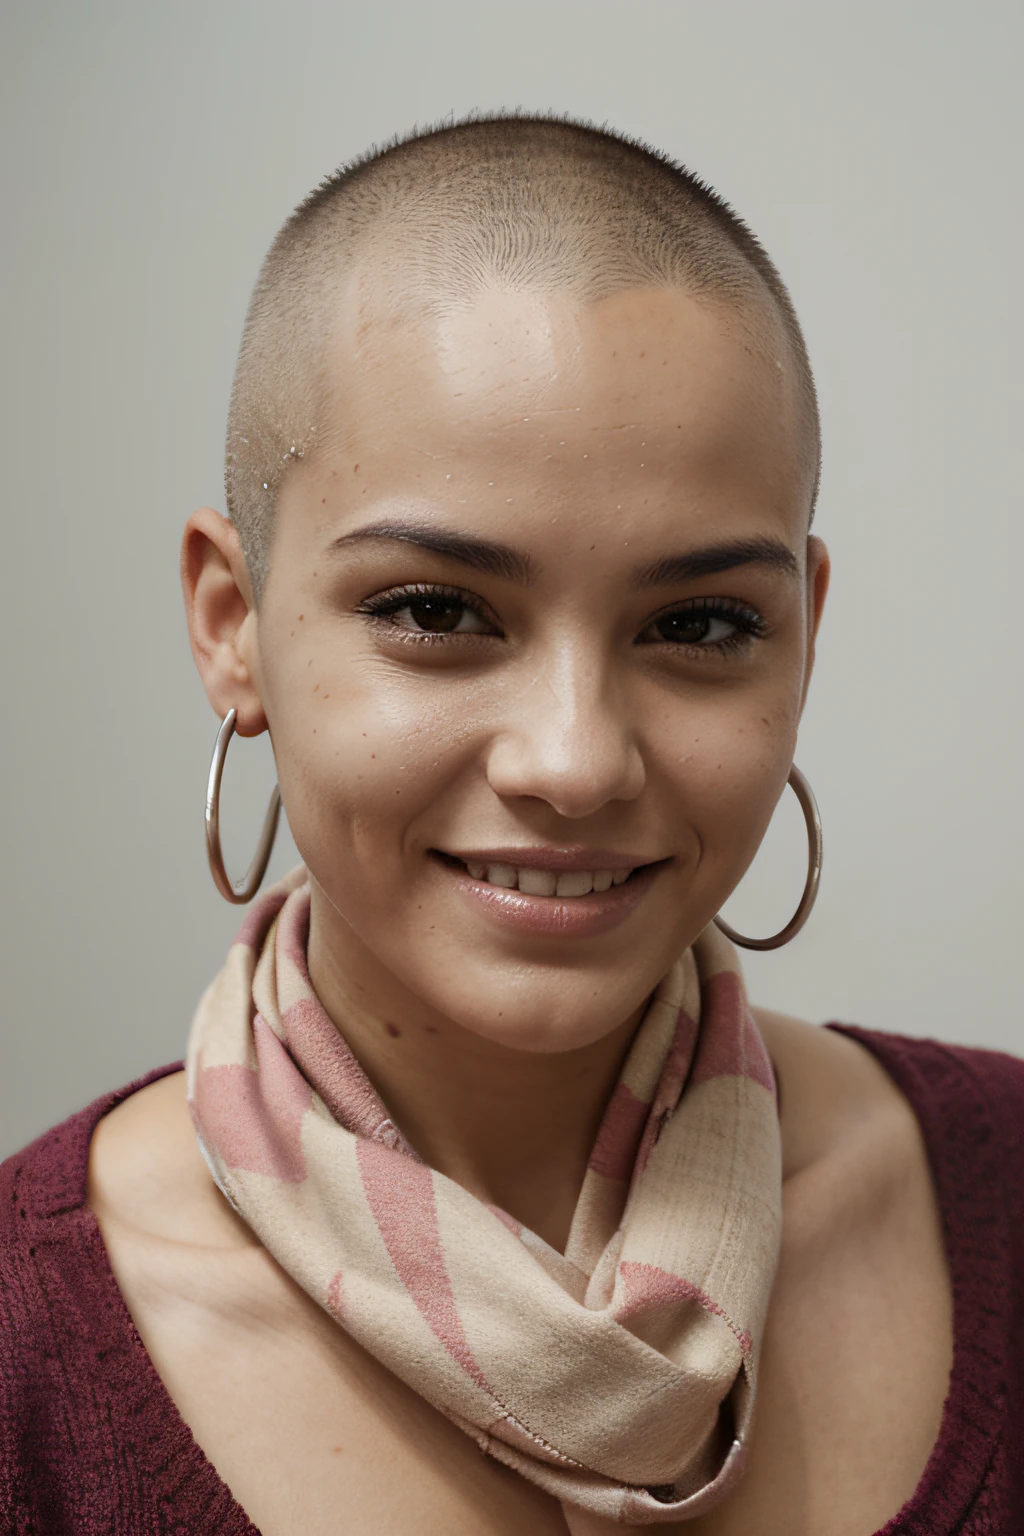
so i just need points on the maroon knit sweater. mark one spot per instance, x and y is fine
(92, 1445)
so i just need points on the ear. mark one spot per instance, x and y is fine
(819, 570)
(221, 614)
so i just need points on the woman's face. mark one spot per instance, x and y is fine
(534, 645)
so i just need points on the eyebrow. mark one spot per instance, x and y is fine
(718, 557)
(483, 555)
(510, 564)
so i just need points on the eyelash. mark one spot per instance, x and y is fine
(749, 624)
(382, 604)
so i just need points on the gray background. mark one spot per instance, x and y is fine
(149, 153)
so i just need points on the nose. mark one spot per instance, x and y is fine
(566, 738)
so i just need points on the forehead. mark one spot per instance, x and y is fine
(565, 395)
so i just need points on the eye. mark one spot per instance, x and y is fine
(424, 610)
(705, 624)
(694, 628)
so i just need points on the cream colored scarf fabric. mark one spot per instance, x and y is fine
(619, 1376)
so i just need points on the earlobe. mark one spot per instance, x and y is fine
(221, 615)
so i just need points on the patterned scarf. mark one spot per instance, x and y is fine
(620, 1376)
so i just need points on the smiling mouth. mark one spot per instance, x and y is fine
(571, 883)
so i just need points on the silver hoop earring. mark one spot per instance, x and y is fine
(261, 858)
(809, 806)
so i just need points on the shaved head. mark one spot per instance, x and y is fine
(514, 202)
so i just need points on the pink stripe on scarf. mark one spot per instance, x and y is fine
(257, 919)
(325, 1059)
(734, 1049)
(400, 1194)
(253, 1118)
(614, 1153)
(649, 1289)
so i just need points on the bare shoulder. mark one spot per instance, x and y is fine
(839, 1108)
(147, 1174)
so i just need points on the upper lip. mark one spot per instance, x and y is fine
(557, 860)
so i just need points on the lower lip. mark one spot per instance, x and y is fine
(572, 917)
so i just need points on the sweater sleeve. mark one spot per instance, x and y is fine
(90, 1442)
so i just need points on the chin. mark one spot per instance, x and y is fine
(545, 1012)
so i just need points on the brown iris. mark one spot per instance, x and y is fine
(439, 615)
(684, 628)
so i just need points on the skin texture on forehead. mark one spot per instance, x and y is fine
(555, 393)
(508, 353)
(512, 203)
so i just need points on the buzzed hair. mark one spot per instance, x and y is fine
(541, 203)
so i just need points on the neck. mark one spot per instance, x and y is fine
(514, 1128)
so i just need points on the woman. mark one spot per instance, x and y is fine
(479, 1146)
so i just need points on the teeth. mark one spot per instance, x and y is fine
(578, 882)
(537, 882)
(544, 882)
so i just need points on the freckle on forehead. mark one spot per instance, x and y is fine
(417, 399)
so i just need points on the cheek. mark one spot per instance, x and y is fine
(360, 757)
(725, 767)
